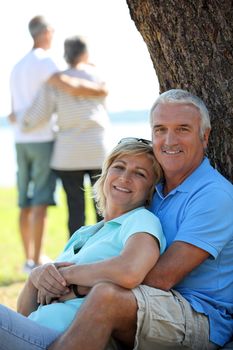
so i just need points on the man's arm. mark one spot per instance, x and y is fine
(12, 117)
(77, 87)
(179, 260)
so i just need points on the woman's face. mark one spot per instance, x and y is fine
(128, 182)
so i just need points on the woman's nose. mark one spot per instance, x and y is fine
(126, 176)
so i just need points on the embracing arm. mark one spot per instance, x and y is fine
(76, 86)
(128, 270)
(179, 260)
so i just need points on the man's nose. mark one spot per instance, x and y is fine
(171, 138)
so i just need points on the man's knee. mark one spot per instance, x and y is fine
(117, 305)
(105, 293)
(112, 299)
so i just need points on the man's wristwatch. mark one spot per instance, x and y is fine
(76, 292)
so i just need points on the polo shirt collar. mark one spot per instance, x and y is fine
(190, 180)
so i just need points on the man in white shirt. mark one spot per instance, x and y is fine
(35, 180)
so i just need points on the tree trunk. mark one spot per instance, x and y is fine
(191, 45)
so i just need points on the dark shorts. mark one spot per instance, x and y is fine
(35, 180)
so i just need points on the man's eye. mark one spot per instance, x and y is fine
(159, 131)
(183, 129)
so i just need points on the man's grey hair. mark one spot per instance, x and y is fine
(180, 97)
(38, 25)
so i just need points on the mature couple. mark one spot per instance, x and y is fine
(136, 298)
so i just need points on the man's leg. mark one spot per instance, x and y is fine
(43, 182)
(108, 310)
(38, 221)
(24, 226)
(23, 181)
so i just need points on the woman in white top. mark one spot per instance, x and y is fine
(81, 129)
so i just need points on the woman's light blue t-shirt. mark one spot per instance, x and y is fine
(104, 240)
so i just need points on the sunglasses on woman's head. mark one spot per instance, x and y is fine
(135, 139)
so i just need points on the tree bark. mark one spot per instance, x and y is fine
(191, 46)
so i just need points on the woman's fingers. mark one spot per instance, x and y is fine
(48, 278)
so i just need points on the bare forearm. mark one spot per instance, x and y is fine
(91, 274)
(127, 270)
(77, 87)
(27, 301)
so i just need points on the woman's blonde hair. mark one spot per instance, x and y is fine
(131, 147)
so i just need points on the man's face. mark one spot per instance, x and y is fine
(176, 139)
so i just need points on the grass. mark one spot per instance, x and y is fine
(11, 251)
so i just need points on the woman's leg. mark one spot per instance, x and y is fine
(21, 333)
(93, 178)
(72, 182)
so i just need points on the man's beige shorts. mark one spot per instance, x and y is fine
(165, 320)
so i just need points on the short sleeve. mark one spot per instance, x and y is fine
(208, 223)
(143, 221)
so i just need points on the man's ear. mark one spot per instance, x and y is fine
(206, 138)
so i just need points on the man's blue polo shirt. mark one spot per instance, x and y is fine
(200, 212)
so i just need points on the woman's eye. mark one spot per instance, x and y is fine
(118, 166)
(141, 174)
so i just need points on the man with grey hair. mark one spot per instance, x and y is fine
(186, 300)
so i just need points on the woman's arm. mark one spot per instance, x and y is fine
(128, 270)
(76, 86)
(27, 300)
(44, 284)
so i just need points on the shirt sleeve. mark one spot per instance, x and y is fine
(143, 221)
(208, 220)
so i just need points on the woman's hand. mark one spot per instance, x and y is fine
(49, 282)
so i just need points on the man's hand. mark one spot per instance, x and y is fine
(49, 282)
(77, 87)
(12, 118)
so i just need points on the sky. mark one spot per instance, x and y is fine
(115, 46)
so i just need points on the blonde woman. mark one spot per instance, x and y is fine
(120, 249)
